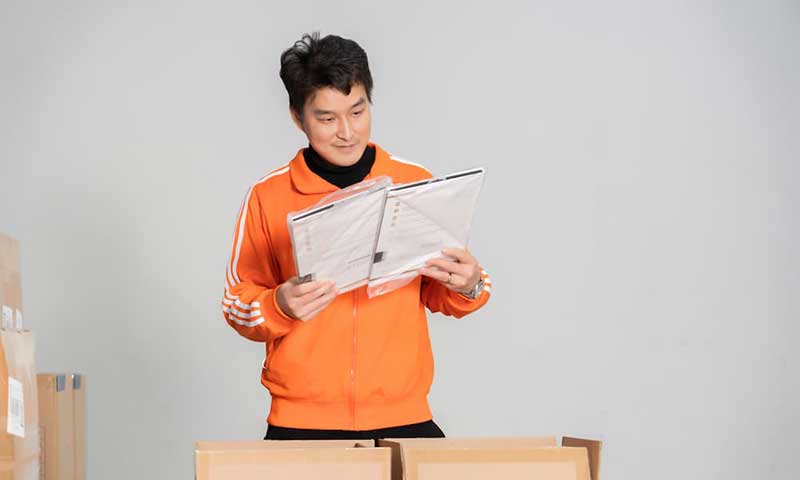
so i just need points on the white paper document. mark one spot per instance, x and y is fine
(335, 239)
(381, 234)
(422, 218)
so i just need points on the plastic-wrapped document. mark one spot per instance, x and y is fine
(419, 220)
(335, 239)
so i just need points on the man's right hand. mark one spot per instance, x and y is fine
(303, 301)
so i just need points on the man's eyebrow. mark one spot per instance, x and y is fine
(360, 102)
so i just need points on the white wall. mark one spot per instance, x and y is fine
(639, 219)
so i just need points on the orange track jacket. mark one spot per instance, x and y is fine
(361, 363)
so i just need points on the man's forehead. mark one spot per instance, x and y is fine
(331, 99)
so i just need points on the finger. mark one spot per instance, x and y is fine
(314, 289)
(304, 288)
(435, 274)
(289, 285)
(442, 264)
(460, 254)
(458, 282)
(450, 266)
(312, 308)
(310, 297)
(298, 303)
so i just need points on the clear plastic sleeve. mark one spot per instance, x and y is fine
(335, 239)
(420, 219)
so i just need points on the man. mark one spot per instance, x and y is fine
(337, 366)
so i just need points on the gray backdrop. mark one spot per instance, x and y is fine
(639, 218)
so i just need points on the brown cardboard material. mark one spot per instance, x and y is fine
(529, 458)
(56, 418)
(593, 448)
(295, 460)
(79, 424)
(10, 280)
(19, 456)
(284, 444)
(460, 443)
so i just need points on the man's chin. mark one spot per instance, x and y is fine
(344, 160)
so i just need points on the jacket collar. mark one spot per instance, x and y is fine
(308, 182)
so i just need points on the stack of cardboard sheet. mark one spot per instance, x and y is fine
(524, 458)
(296, 460)
(19, 412)
(62, 411)
(42, 424)
(535, 458)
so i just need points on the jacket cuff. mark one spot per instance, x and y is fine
(279, 323)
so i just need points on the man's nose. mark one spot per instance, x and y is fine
(345, 131)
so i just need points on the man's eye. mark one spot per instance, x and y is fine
(326, 119)
(358, 113)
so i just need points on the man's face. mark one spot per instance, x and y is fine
(337, 125)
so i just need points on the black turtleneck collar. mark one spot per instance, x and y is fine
(342, 177)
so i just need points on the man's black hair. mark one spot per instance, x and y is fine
(313, 63)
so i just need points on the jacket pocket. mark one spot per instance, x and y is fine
(305, 364)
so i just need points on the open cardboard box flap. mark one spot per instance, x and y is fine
(281, 444)
(528, 458)
(296, 460)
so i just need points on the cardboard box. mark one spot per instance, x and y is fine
(593, 449)
(535, 458)
(79, 424)
(19, 412)
(292, 460)
(10, 283)
(56, 420)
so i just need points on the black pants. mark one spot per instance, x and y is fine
(418, 430)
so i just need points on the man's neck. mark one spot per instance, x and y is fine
(338, 175)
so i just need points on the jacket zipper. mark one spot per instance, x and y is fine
(353, 363)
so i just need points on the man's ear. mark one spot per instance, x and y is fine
(296, 119)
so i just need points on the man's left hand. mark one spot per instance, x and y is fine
(459, 273)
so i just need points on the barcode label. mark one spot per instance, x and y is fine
(16, 408)
(8, 317)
